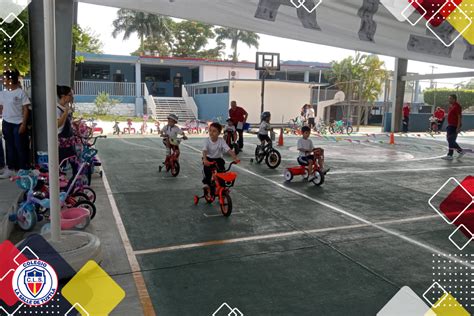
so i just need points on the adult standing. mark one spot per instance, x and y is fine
(239, 117)
(454, 127)
(65, 131)
(440, 114)
(2, 153)
(310, 115)
(15, 104)
(406, 117)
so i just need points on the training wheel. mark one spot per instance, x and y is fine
(251, 160)
(196, 200)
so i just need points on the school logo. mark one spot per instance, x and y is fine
(35, 282)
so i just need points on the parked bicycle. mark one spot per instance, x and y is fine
(340, 127)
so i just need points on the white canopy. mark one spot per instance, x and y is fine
(364, 25)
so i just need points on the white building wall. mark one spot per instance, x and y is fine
(211, 73)
(283, 99)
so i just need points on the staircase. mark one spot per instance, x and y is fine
(178, 106)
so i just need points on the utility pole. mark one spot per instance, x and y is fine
(432, 72)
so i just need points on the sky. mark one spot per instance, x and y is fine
(99, 20)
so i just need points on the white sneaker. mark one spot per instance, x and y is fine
(461, 154)
(447, 157)
(7, 174)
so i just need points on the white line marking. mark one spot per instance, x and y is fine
(349, 214)
(143, 294)
(277, 235)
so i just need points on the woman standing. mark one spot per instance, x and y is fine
(65, 131)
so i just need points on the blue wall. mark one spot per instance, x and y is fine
(212, 106)
(421, 123)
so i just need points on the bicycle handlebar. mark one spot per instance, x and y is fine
(212, 163)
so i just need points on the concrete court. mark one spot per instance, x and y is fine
(288, 248)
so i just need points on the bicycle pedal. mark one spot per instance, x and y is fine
(159, 168)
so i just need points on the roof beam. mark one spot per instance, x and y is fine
(439, 76)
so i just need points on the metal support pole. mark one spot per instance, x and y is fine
(263, 90)
(52, 128)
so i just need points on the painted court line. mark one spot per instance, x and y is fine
(347, 213)
(132, 259)
(220, 215)
(276, 235)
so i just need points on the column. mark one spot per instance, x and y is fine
(138, 89)
(306, 76)
(398, 88)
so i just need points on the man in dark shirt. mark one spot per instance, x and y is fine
(239, 117)
(454, 127)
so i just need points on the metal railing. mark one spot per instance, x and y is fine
(112, 88)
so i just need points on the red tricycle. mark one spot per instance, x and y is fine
(221, 184)
(129, 129)
(318, 173)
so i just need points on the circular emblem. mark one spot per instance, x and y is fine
(35, 282)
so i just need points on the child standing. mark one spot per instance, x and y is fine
(171, 131)
(265, 127)
(213, 151)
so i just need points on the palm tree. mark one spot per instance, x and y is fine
(146, 25)
(235, 36)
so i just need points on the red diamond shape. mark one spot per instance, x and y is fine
(432, 7)
(8, 252)
(457, 201)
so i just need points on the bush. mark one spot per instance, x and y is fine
(439, 97)
(104, 103)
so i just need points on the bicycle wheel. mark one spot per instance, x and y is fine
(175, 169)
(258, 154)
(226, 205)
(26, 219)
(79, 196)
(91, 195)
(318, 178)
(88, 206)
(349, 130)
(273, 159)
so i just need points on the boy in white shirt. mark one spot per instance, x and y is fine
(213, 151)
(265, 127)
(171, 131)
(15, 104)
(306, 148)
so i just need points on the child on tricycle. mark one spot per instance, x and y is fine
(310, 159)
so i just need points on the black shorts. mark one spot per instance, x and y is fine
(264, 138)
(304, 160)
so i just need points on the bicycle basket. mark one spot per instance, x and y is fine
(25, 182)
(227, 179)
(89, 154)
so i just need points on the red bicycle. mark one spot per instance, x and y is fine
(220, 188)
(171, 162)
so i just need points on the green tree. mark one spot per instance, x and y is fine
(362, 75)
(85, 41)
(154, 46)
(146, 25)
(190, 39)
(20, 51)
(439, 97)
(235, 36)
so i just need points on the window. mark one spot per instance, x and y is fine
(201, 91)
(211, 90)
(223, 89)
(95, 72)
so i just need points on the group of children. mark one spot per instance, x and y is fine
(215, 147)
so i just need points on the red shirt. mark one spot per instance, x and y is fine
(439, 114)
(455, 111)
(406, 111)
(237, 115)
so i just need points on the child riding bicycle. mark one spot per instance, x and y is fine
(309, 154)
(231, 131)
(212, 153)
(170, 133)
(265, 127)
